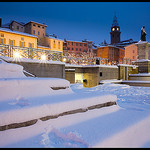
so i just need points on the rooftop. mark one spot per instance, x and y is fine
(17, 32)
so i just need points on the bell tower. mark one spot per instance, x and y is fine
(115, 31)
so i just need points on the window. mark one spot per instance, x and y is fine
(100, 74)
(54, 45)
(76, 44)
(76, 49)
(31, 45)
(17, 27)
(34, 25)
(2, 35)
(12, 42)
(80, 44)
(2, 41)
(68, 48)
(68, 43)
(43, 34)
(21, 44)
(85, 44)
(38, 33)
(79, 49)
(38, 26)
(133, 51)
(72, 43)
(33, 31)
(72, 48)
(43, 27)
(58, 45)
(22, 38)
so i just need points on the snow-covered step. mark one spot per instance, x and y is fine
(21, 117)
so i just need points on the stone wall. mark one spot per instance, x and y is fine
(144, 66)
(43, 69)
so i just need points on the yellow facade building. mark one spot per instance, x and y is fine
(54, 44)
(14, 38)
(27, 45)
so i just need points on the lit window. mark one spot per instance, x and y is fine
(2, 35)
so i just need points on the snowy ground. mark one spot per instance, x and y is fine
(126, 124)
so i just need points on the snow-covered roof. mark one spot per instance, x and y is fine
(51, 37)
(17, 32)
(37, 23)
(75, 41)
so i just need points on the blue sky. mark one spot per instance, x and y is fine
(82, 20)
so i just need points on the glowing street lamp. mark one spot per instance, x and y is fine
(43, 57)
(16, 55)
(64, 59)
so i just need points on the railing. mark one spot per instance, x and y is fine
(32, 53)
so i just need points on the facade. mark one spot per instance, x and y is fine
(77, 48)
(112, 53)
(14, 38)
(36, 29)
(15, 26)
(53, 43)
(131, 52)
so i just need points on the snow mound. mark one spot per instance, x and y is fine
(8, 70)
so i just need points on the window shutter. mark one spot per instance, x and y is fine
(4, 40)
(24, 44)
(13, 42)
(20, 43)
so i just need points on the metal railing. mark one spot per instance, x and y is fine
(32, 53)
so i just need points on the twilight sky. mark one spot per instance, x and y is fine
(82, 20)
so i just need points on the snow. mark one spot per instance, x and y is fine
(17, 32)
(123, 125)
(140, 75)
(101, 65)
(30, 60)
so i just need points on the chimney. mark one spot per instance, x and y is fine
(0, 22)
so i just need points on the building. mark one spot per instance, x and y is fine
(54, 43)
(131, 52)
(115, 35)
(115, 32)
(36, 29)
(15, 26)
(113, 54)
(15, 38)
(77, 48)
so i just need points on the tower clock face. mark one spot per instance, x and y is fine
(117, 29)
(113, 29)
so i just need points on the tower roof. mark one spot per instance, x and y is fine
(115, 22)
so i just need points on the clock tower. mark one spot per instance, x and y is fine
(115, 31)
